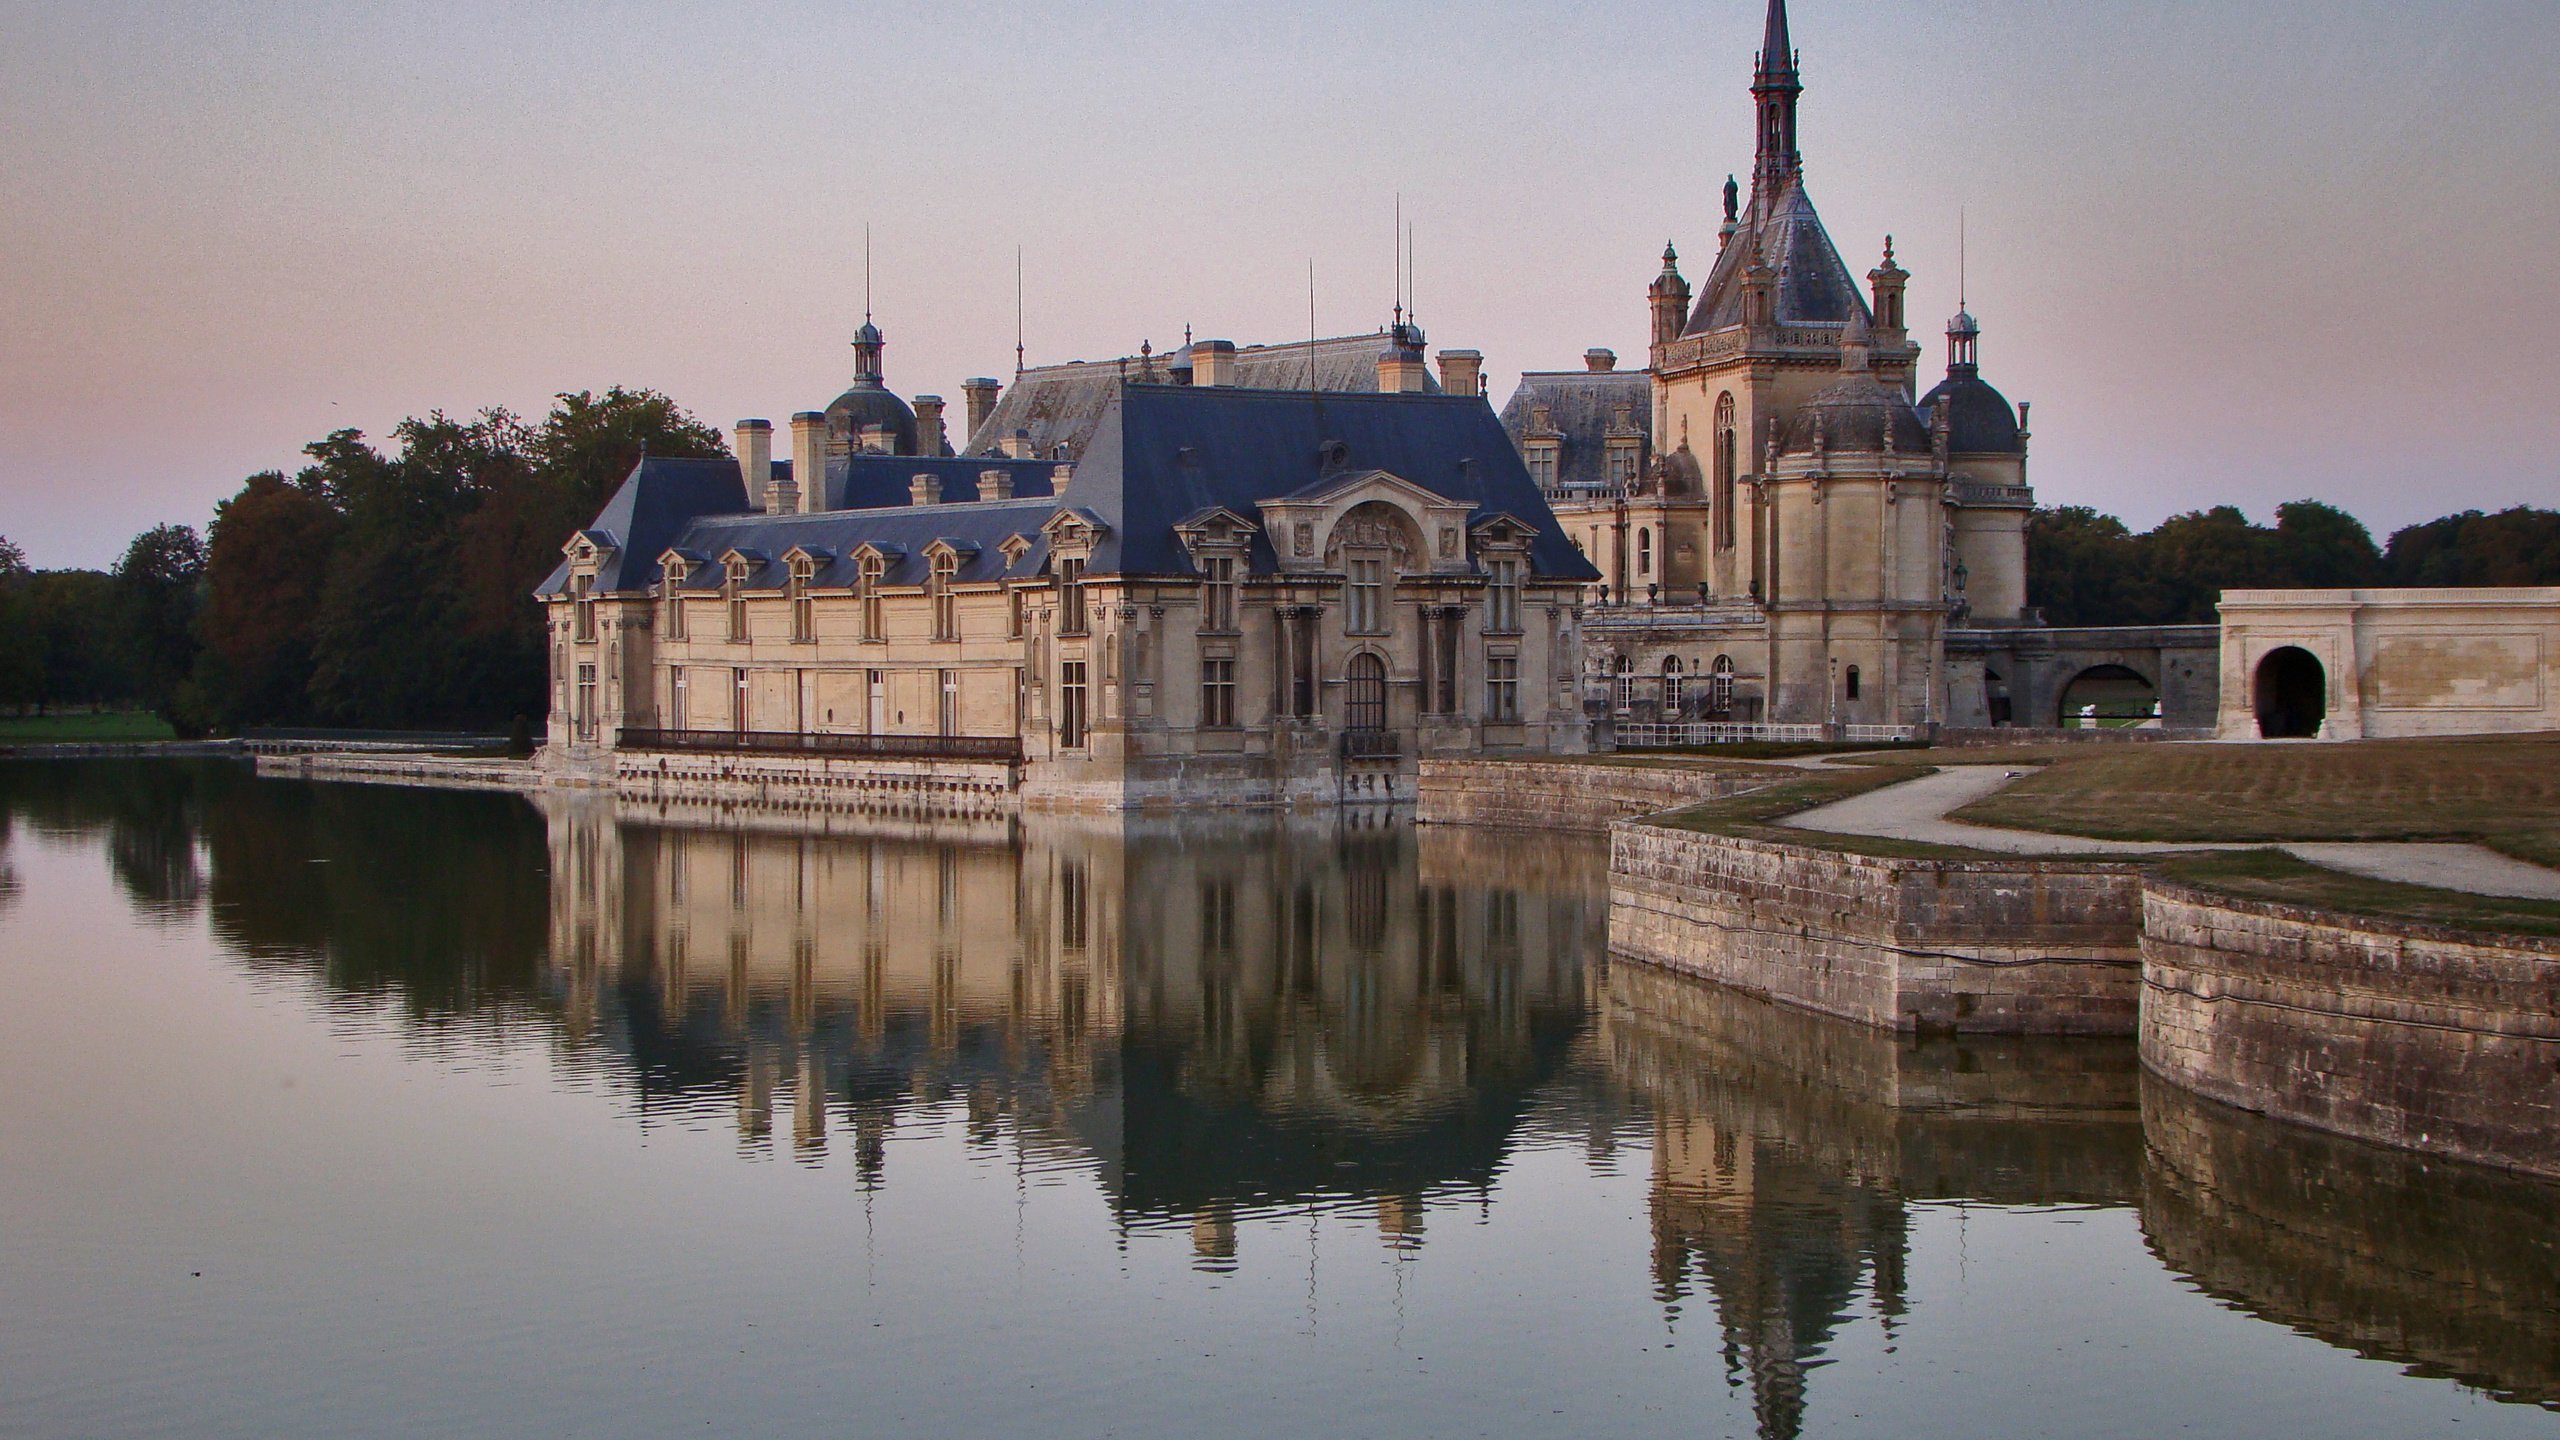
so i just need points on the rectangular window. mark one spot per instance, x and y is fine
(1502, 687)
(1218, 593)
(1542, 466)
(1502, 597)
(804, 611)
(737, 581)
(1013, 617)
(875, 624)
(946, 606)
(675, 613)
(585, 715)
(583, 607)
(1071, 705)
(1368, 613)
(1071, 597)
(1218, 693)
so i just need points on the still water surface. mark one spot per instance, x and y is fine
(363, 1111)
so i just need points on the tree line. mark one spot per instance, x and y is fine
(2087, 568)
(375, 588)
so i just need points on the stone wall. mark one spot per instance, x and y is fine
(1563, 795)
(452, 772)
(2015, 946)
(2409, 1035)
(796, 783)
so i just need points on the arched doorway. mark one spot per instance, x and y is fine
(1365, 706)
(2291, 694)
(2107, 696)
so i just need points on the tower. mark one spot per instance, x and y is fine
(1774, 88)
(1669, 296)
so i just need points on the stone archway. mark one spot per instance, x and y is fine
(2290, 694)
(2104, 696)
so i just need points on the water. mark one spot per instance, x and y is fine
(349, 1110)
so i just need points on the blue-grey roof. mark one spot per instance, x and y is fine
(656, 501)
(1582, 406)
(863, 482)
(1164, 452)
(1814, 285)
(1979, 420)
(977, 530)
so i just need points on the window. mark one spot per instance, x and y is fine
(1724, 478)
(1218, 693)
(946, 606)
(1674, 686)
(947, 711)
(1367, 614)
(1218, 593)
(585, 715)
(1502, 687)
(1720, 686)
(1071, 705)
(875, 620)
(1502, 599)
(804, 611)
(1444, 658)
(1624, 685)
(1853, 682)
(1644, 550)
(1071, 618)
(583, 608)
(675, 607)
(735, 588)
(1542, 465)
(1013, 608)
(738, 700)
(1365, 707)
(1622, 465)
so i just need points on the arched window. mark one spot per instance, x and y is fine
(1725, 458)
(1720, 686)
(1674, 685)
(1626, 684)
(1366, 694)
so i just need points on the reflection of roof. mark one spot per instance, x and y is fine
(1814, 286)
(1059, 405)
(1582, 407)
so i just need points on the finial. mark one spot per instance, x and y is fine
(1888, 249)
(1186, 336)
(866, 272)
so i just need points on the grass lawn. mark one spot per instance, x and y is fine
(2274, 875)
(1754, 816)
(2501, 791)
(110, 726)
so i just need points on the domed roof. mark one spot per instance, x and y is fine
(867, 404)
(1980, 420)
(1855, 415)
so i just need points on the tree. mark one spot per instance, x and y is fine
(2321, 547)
(159, 589)
(2513, 547)
(271, 549)
(13, 562)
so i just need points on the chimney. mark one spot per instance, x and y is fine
(754, 444)
(809, 460)
(1059, 475)
(1461, 371)
(1213, 362)
(1600, 362)
(929, 441)
(925, 489)
(980, 396)
(1017, 446)
(995, 484)
(1399, 368)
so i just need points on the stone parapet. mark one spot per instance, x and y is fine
(2410, 1035)
(2012, 946)
(869, 786)
(1549, 795)
(450, 772)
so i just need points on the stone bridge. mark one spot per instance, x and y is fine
(2032, 677)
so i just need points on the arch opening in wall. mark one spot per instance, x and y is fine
(1995, 697)
(2107, 697)
(2291, 694)
(1365, 693)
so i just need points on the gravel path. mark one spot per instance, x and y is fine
(1916, 810)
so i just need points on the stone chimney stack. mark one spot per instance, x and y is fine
(1213, 363)
(1599, 362)
(1461, 371)
(929, 439)
(809, 459)
(925, 489)
(754, 444)
(1059, 475)
(980, 397)
(1400, 365)
(1017, 446)
(995, 484)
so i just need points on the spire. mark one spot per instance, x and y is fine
(866, 341)
(1774, 88)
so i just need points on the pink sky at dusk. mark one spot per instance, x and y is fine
(2236, 254)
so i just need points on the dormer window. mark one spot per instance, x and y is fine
(1502, 595)
(582, 608)
(1071, 617)
(804, 611)
(946, 606)
(875, 623)
(1623, 455)
(734, 589)
(1541, 455)
(1218, 593)
(671, 589)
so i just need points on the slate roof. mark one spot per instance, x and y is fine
(1855, 414)
(1980, 420)
(1582, 405)
(644, 517)
(978, 529)
(1814, 286)
(861, 482)
(1061, 404)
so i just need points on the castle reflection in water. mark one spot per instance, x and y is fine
(1228, 1019)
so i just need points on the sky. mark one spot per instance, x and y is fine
(2234, 253)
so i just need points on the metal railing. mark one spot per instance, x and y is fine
(1658, 736)
(1371, 745)
(1006, 748)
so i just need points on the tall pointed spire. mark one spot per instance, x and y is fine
(1774, 88)
(866, 341)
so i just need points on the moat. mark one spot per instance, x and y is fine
(360, 1110)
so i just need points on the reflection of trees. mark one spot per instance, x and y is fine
(2449, 1270)
(150, 812)
(1786, 1146)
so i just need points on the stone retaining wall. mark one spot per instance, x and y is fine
(962, 789)
(1561, 795)
(2016, 946)
(444, 771)
(2409, 1035)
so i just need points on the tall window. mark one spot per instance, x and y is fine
(1365, 704)
(946, 606)
(1625, 685)
(1853, 682)
(1644, 550)
(735, 587)
(1218, 593)
(1367, 614)
(1502, 687)
(1674, 686)
(585, 715)
(1622, 465)
(1071, 705)
(1720, 686)
(1502, 597)
(1542, 464)
(583, 607)
(1218, 693)
(1444, 657)
(1724, 459)
(1071, 619)
(675, 606)
(1013, 608)
(875, 620)
(804, 611)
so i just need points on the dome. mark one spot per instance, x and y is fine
(868, 404)
(1979, 418)
(1855, 416)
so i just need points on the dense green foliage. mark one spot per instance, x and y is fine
(2084, 568)
(373, 589)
